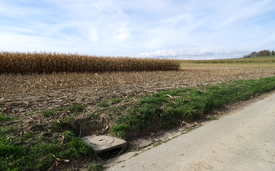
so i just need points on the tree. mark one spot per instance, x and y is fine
(264, 53)
(261, 53)
(253, 54)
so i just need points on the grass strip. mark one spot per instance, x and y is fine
(36, 153)
(166, 109)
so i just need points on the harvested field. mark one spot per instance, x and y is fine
(39, 112)
(254, 60)
(266, 61)
(40, 92)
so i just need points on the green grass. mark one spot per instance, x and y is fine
(63, 124)
(190, 104)
(38, 155)
(93, 116)
(103, 103)
(73, 109)
(48, 113)
(119, 130)
(3, 117)
(35, 152)
(76, 108)
(95, 166)
(116, 100)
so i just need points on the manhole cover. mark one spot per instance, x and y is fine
(104, 143)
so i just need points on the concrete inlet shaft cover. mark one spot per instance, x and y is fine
(104, 143)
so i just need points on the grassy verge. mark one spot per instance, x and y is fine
(131, 117)
(39, 148)
(166, 109)
(36, 153)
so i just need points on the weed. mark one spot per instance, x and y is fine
(103, 103)
(158, 143)
(48, 113)
(7, 130)
(92, 116)
(211, 118)
(119, 130)
(51, 112)
(76, 108)
(2, 117)
(95, 166)
(14, 118)
(68, 119)
(59, 109)
(135, 154)
(117, 110)
(63, 124)
(28, 135)
(116, 100)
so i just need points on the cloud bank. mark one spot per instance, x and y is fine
(141, 28)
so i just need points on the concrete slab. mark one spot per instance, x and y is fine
(103, 143)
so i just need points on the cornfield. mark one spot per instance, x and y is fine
(29, 63)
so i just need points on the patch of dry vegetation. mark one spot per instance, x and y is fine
(29, 63)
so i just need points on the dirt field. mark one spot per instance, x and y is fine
(23, 97)
(32, 93)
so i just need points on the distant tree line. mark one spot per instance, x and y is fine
(261, 53)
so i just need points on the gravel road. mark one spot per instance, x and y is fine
(243, 140)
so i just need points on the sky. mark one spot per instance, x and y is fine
(172, 29)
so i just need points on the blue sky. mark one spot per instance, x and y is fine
(178, 29)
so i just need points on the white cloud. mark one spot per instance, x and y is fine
(189, 29)
(192, 54)
(123, 34)
(103, 5)
(92, 34)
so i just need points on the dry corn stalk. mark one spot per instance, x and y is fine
(57, 161)
(28, 63)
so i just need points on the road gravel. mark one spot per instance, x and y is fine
(243, 140)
